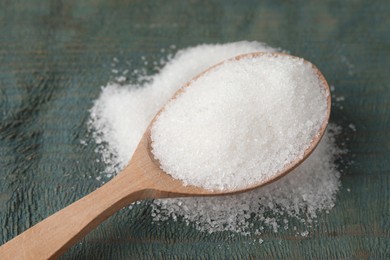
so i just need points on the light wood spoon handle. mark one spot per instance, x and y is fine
(54, 235)
(141, 179)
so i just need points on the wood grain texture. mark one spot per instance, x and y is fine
(55, 56)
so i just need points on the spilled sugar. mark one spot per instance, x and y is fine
(241, 123)
(123, 113)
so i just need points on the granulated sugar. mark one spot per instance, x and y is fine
(121, 114)
(240, 123)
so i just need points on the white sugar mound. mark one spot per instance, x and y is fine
(121, 114)
(241, 123)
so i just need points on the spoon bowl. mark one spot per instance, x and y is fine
(141, 179)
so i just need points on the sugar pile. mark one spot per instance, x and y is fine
(240, 123)
(123, 113)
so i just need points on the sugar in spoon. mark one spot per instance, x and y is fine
(141, 179)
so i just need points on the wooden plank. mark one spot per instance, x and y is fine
(55, 56)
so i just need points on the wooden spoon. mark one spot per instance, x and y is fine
(141, 179)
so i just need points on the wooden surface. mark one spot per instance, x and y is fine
(55, 56)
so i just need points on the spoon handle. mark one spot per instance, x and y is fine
(53, 236)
